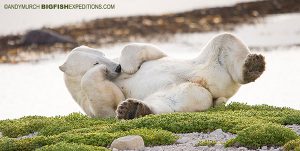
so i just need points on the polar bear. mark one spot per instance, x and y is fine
(88, 76)
(86, 63)
(153, 83)
(168, 85)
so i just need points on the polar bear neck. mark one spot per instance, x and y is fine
(73, 86)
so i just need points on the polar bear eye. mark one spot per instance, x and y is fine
(96, 63)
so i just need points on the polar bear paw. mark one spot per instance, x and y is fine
(130, 66)
(132, 108)
(254, 66)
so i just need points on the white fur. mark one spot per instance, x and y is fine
(133, 55)
(103, 95)
(169, 85)
(78, 65)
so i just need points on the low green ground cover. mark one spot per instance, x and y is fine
(206, 143)
(255, 126)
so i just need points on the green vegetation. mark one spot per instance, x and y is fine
(256, 126)
(292, 145)
(71, 147)
(206, 143)
(264, 134)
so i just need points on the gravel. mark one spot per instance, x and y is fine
(187, 142)
(295, 128)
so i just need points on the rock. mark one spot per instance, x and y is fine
(264, 147)
(203, 147)
(217, 134)
(28, 136)
(242, 149)
(182, 140)
(219, 146)
(114, 149)
(132, 142)
(1, 134)
(42, 37)
(295, 128)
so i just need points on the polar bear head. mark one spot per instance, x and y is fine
(83, 58)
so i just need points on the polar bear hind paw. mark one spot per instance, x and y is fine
(254, 66)
(132, 108)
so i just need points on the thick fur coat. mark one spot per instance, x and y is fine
(153, 83)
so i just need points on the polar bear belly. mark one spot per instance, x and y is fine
(153, 76)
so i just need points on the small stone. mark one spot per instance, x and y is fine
(219, 146)
(217, 131)
(132, 142)
(182, 140)
(264, 147)
(203, 147)
(114, 149)
(28, 136)
(217, 134)
(242, 148)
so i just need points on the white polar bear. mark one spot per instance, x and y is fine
(86, 72)
(165, 85)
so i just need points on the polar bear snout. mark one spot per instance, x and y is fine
(118, 69)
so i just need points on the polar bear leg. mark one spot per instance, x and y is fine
(133, 55)
(220, 101)
(102, 94)
(186, 97)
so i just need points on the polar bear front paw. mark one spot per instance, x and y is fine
(254, 66)
(130, 66)
(131, 108)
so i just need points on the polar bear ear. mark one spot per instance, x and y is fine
(62, 67)
(89, 50)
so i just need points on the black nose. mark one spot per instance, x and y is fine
(118, 69)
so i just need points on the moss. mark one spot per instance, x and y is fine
(48, 125)
(230, 142)
(191, 122)
(264, 135)
(24, 126)
(292, 145)
(150, 136)
(71, 147)
(76, 128)
(206, 143)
